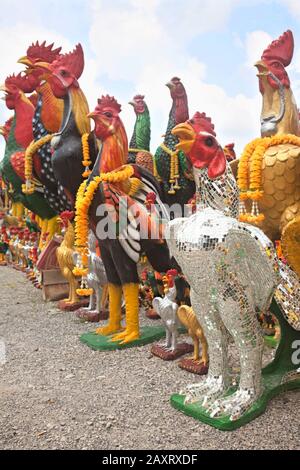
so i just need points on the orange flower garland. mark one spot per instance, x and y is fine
(86, 162)
(249, 175)
(84, 199)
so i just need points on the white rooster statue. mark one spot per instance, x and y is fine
(97, 281)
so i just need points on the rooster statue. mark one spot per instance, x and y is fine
(171, 165)
(120, 255)
(20, 135)
(62, 75)
(46, 121)
(65, 258)
(139, 146)
(167, 308)
(269, 168)
(96, 280)
(241, 276)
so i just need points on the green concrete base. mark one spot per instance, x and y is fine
(280, 375)
(149, 334)
(224, 423)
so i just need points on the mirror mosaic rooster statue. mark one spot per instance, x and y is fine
(241, 277)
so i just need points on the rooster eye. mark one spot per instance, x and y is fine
(108, 114)
(209, 142)
(63, 73)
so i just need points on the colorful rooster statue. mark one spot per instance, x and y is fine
(46, 122)
(121, 254)
(139, 147)
(269, 168)
(242, 274)
(124, 194)
(65, 257)
(68, 146)
(20, 135)
(171, 165)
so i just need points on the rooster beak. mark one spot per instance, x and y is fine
(4, 88)
(2, 130)
(42, 65)
(25, 61)
(131, 102)
(186, 136)
(92, 115)
(262, 68)
(169, 85)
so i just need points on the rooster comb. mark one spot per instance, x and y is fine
(67, 215)
(204, 122)
(73, 61)
(109, 101)
(138, 97)
(20, 81)
(42, 52)
(281, 49)
(172, 272)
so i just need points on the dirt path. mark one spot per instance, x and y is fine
(57, 393)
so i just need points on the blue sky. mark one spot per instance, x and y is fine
(135, 46)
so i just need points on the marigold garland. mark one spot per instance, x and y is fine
(249, 175)
(84, 199)
(174, 168)
(33, 147)
(86, 162)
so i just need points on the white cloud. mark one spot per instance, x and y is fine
(14, 41)
(293, 6)
(143, 44)
(140, 42)
(256, 42)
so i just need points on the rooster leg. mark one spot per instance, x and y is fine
(104, 297)
(131, 296)
(73, 297)
(204, 345)
(43, 231)
(93, 303)
(52, 227)
(240, 320)
(97, 297)
(115, 299)
(218, 379)
(19, 209)
(196, 348)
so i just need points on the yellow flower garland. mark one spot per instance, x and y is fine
(86, 162)
(33, 147)
(174, 168)
(84, 199)
(249, 175)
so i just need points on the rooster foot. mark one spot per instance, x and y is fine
(204, 392)
(130, 337)
(234, 406)
(108, 330)
(168, 348)
(126, 336)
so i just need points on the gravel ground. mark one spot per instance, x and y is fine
(56, 393)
